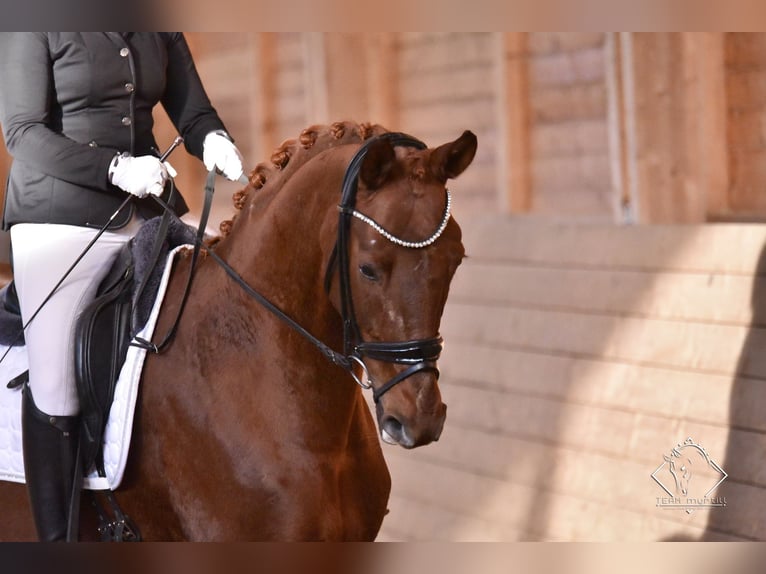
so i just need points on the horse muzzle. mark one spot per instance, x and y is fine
(411, 418)
(413, 414)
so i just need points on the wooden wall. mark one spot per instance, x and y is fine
(576, 357)
(593, 127)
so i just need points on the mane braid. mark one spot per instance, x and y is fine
(293, 153)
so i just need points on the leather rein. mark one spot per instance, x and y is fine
(419, 354)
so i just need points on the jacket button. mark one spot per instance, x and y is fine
(129, 88)
(126, 121)
(124, 52)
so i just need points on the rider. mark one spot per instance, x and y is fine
(76, 113)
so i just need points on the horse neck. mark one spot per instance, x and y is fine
(277, 246)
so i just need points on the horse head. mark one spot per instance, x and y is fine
(403, 250)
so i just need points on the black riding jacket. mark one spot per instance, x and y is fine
(70, 101)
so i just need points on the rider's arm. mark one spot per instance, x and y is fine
(26, 99)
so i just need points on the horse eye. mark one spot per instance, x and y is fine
(368, 272)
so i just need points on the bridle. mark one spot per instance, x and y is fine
(418, 354)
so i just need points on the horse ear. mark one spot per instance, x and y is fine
(450, 160)
(377, 164)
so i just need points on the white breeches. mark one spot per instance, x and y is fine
(41, 255)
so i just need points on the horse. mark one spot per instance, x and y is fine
(252, 425)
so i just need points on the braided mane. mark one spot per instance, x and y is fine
(268, 177)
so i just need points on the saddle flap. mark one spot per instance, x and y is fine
(102, 336)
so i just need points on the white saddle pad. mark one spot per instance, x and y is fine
(119, 426)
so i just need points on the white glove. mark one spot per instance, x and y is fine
(139, 176)
(219, 152)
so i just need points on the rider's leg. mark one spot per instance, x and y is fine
(41, 255)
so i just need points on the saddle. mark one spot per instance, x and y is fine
(102, 336)
(105, 328)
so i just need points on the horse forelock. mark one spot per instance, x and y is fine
(293, 153)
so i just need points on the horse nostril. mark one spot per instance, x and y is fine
(392, 432)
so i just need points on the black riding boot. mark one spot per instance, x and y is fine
(50, 453)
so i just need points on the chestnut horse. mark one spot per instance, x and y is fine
(244, 429)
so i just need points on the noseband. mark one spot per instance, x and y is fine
(418, 354)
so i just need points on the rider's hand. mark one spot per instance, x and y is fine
(139, 176)
(220, 153)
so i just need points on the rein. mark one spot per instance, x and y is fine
(418, 355)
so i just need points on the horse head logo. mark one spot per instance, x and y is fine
(685, 462)
(681, 464)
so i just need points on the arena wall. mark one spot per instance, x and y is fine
(576, 357)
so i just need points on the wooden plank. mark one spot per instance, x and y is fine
(292, 80)
(745, 90)
(475, 204)
(513, 110)
(719, 400)
(446, 51)
(411, 520)
(584, 426)
(712, 120)
(576, 204)
(748, 176)
(707, 348)
(570, 138)
(346, 81)
(622, 169)
(539, 514)
(562, 69)
(314, 76)
(721, 248)
(548, 468)
(383, 78)
(664, 112)
(224, 72)
(703, 296)
(264, 97)
(746, 131)
(447, 84)
(568, 173)
(745, 51)
(474, 114)
(586, 459)
(557, 42)
(563, 103)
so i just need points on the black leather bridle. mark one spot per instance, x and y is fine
(418, 354)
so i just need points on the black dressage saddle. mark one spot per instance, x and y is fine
(102, 337)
